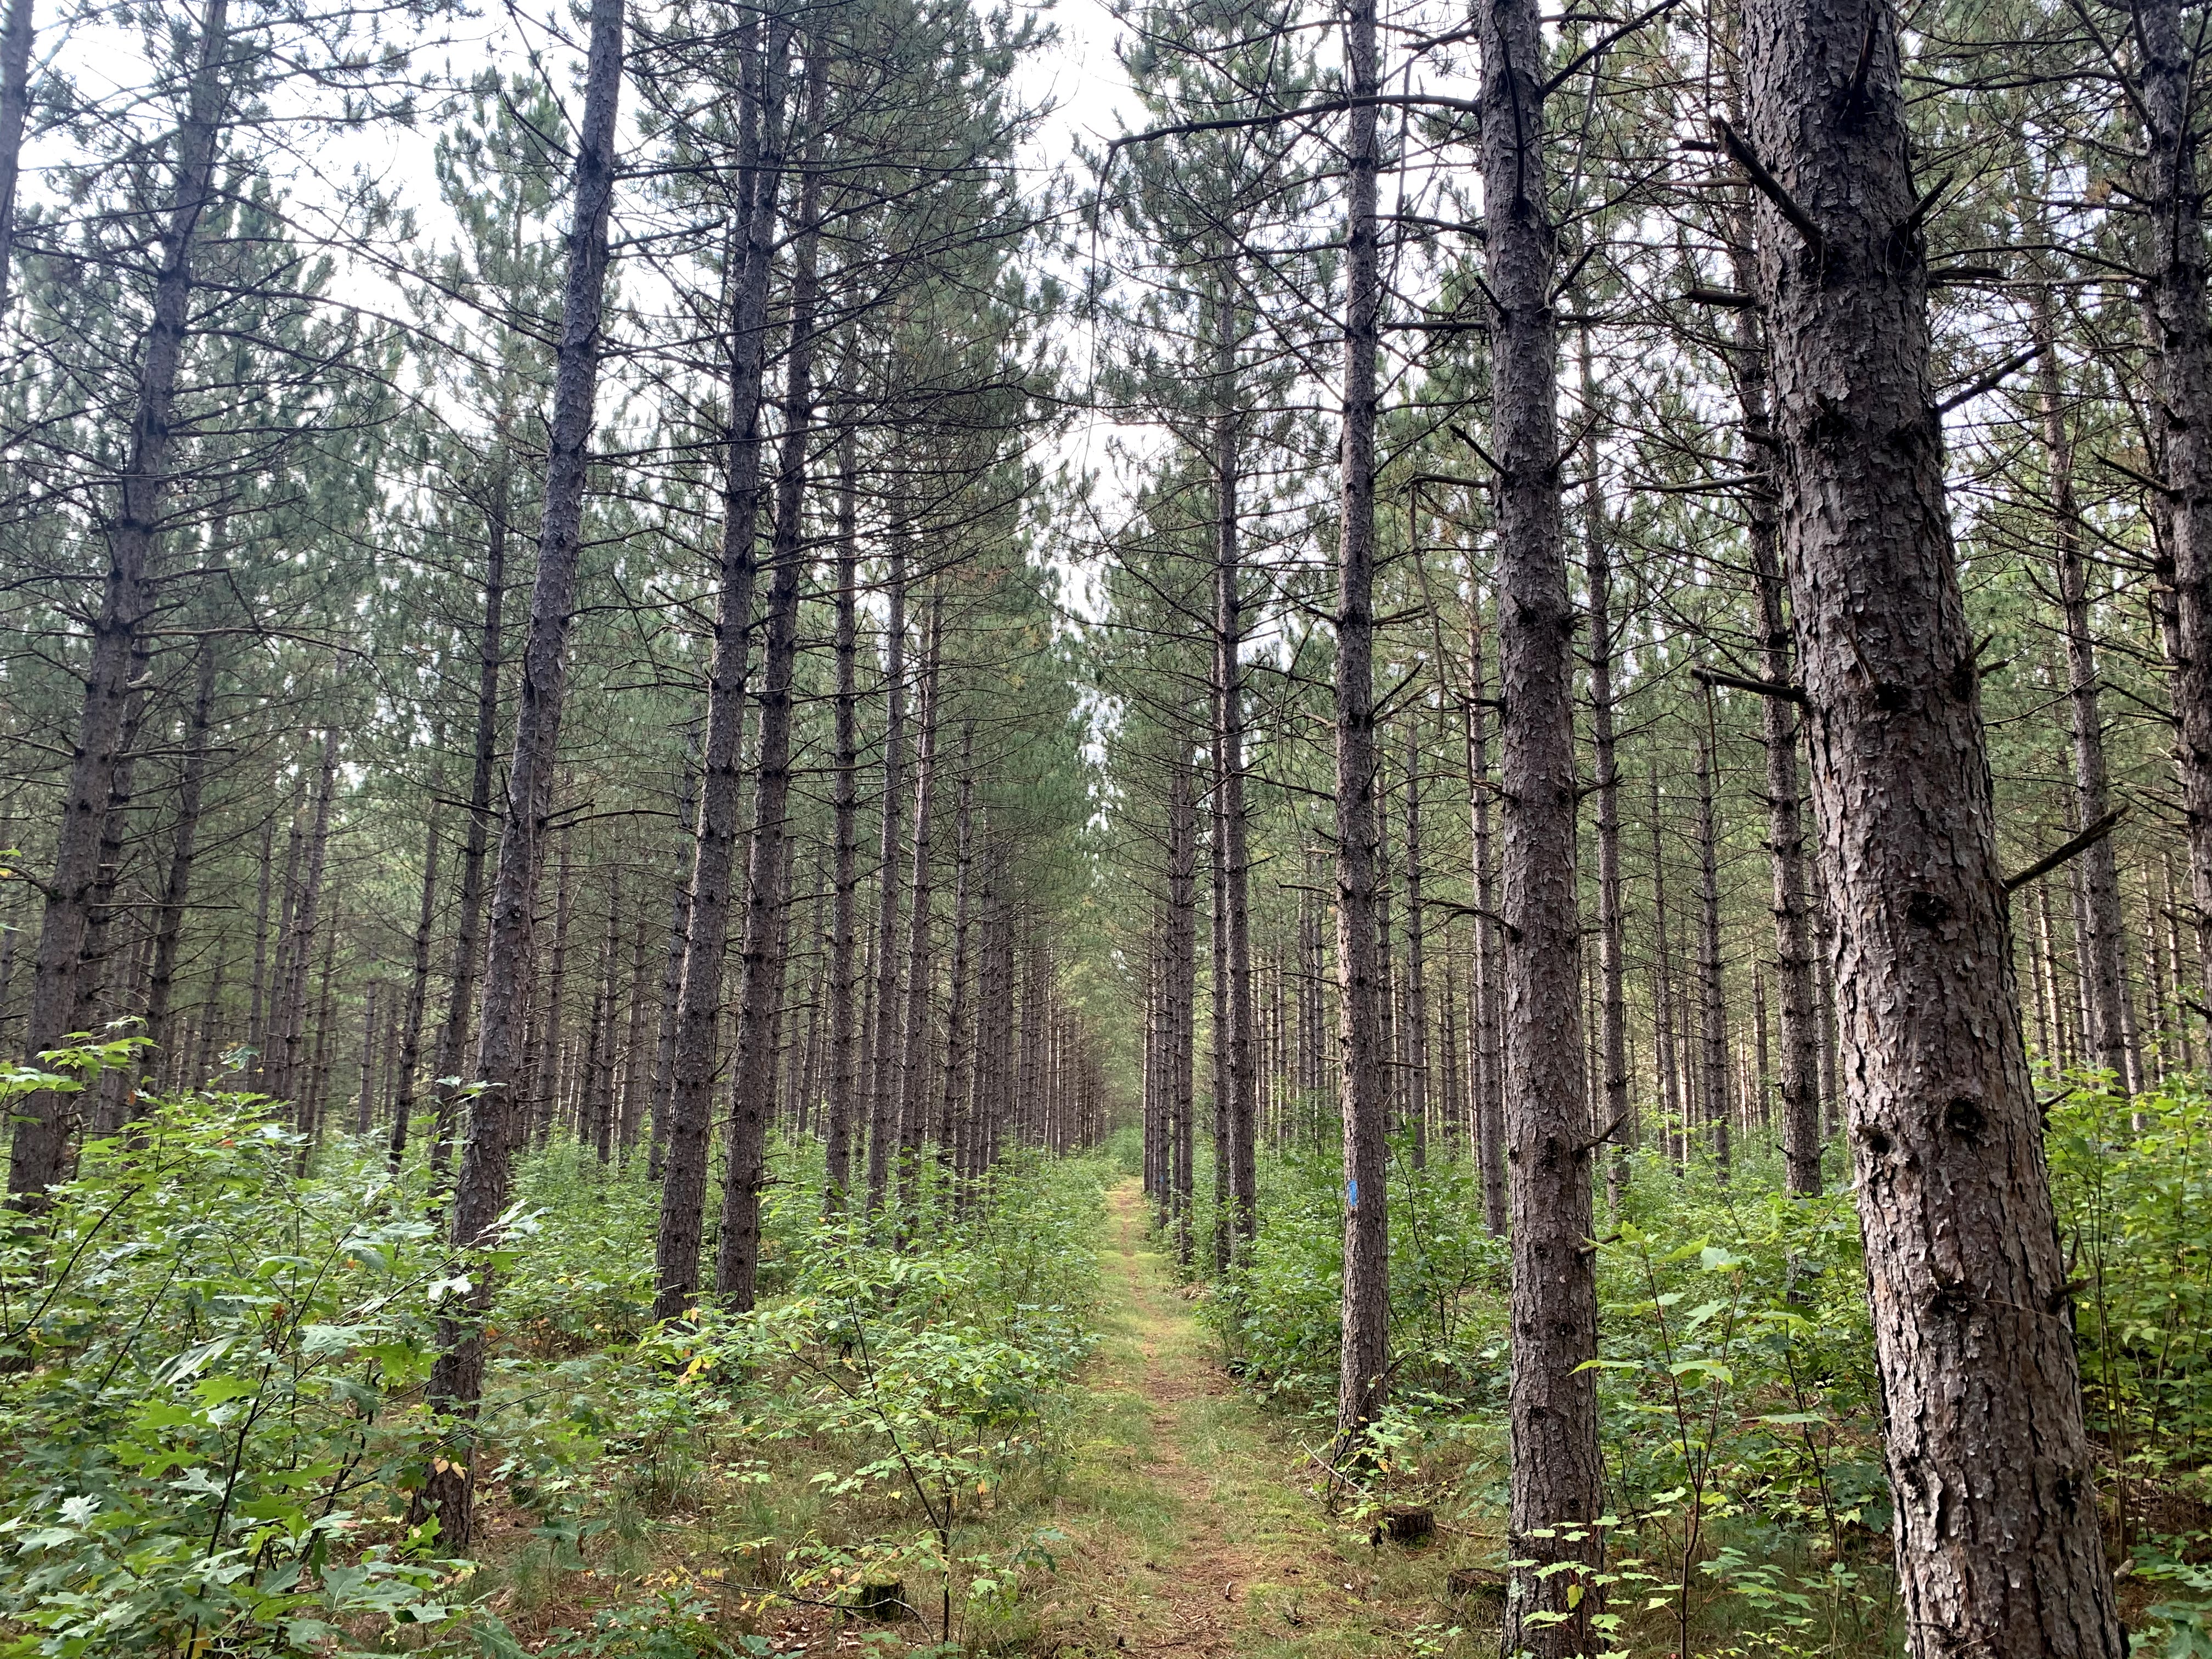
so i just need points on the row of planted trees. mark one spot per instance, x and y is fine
(601, 688)
(1558, 717)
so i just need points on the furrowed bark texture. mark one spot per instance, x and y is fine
(763, 946)
(699, 1000)
(1363, 1101)
(36, 1152)
(1996, 1535)
(2174, 217)
(480, 1196)
(1557, 1478)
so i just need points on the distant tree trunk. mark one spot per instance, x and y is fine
(671, 975)
(480, 1196)
(1558, 1480)
(637, 1079)
(1662, 981)
(1415, 1045)
(452, 1047)
(409, 1060)
(1486, 1118)
(699, 1003)
(1363, 1101)
(287, 1084)
(763, 949)
(36, 1150)
(364, 1102)
(547, 1105)
(914, 1071)
(882, 1101)
(1180, 992)
(2103, 945)
(956, 1048)
(1712, 991)
(1615, 1107)
(15, 37)
(1747, 360)
(844, 1058)
(1996, 1524)
(177, 885)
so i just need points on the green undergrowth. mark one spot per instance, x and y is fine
(211, 1369)
(1748, 1509)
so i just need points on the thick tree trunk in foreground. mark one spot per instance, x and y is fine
(36, 1151)
(481, 1195)
(1996, 1534)
(2173, 212)
(1558, 1481)
(1362, 1099)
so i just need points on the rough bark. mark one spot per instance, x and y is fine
(699, 1002)
(844, 1057)
(760, 954)
(480, 1196)
(1557, 1481)
(43, 1121)
(1362, 1099)
(1996, 1532)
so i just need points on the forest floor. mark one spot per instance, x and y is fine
(1190, 1512)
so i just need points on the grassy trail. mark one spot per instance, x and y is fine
(1191, 1527)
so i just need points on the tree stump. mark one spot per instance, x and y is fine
(1486, 1582)
(1409, 1523)
(885, 1602)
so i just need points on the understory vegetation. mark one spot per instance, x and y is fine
(214, 1367)
(214, 1355)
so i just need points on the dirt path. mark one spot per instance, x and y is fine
(1188, 1516)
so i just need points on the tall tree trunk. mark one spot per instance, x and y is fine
(1713, 992)
(1556, 1480)
(699, 1003)
(1615, 1107)
(913, 1072)
(2174, 210)
(1180, 992)
(1748, 367)
(1996, 1529)
(881, 1100)
(287, 1083)
(480, 1196)
(418, 981)
(671, 974)
(2104, 950)
(177, 885)
(844, 1057)
(1663, 982)
(1486, 1118)
(1362, 1101)
(15, 37)
(43, 1120)
(1229, 751)
(452, 1057)
(762, 951)
(1415, 1044)
(956, 1045)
